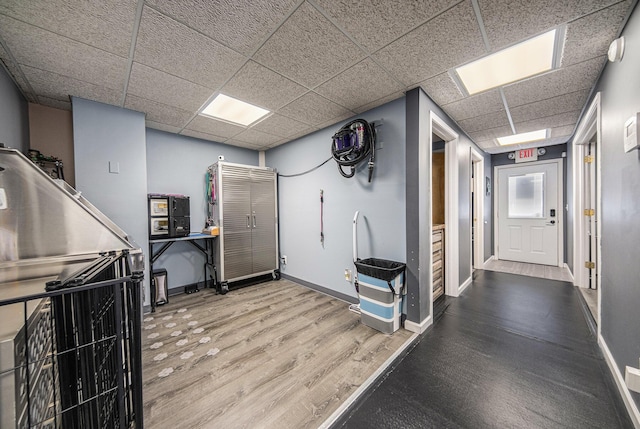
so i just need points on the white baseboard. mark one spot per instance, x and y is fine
(464, 285)
(632, 408)
(570, 272)
(418, 328)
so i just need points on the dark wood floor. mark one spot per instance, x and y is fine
(511, 352)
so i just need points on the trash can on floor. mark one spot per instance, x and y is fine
(381, 284)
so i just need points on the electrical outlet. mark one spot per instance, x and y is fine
(347, 275)
(284, 260)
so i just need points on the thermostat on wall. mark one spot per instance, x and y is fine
(631, 133)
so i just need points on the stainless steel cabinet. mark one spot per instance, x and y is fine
(243, 204)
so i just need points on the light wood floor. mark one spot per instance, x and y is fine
(273, 355)
(531, 270)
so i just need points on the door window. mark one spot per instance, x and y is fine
(526, 196)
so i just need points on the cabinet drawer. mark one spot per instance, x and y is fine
(436, 236)
(437, 274)
(437, 265)
(437, 246)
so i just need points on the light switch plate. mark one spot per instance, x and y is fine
(3, 199)
(114, 167)
(631, 134)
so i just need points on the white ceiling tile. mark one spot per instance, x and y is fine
(559, 120)
(258, 85)
(202, 136)
(590, 36)
(313, 109)
(302, 133)
(446, 41)
(361, 84)
(565, 131)
(278, 143)
(336, 121)
(550, 107)
(167, 89)
(507, 22)
(476, 105)
(381, 22)
(442, 89)
(158, 112)
(490, 134)
(105, 24)
(242, 144)
(280, 126)
(214, 127)
(55, 86)
(162, 127)
(379, 102)
(174, 48)
(557, 82)
(256, 138)
(15, 72)
(44, 50)
(241, 25)
(308, 48)
(52, 102)
(484, 122)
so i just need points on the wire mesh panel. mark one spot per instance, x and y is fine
(75, 359)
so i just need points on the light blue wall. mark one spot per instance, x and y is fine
(177, 165)
(381, 203)
(103, 134)
(14, 115)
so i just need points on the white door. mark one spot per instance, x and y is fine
(530, 213)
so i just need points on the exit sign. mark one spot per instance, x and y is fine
(526, 155)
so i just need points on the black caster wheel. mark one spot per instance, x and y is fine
(276, 274)
(224, 288)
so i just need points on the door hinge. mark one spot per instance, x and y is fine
(589, 212)
(590, 265)
(588, 159)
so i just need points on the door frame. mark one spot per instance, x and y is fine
(590, 125)
(559, 205)
(477, 164)
(451, 243)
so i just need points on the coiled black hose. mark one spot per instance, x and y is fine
(352, 144)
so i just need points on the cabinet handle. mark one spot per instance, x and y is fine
(254, 221)
(248, 222)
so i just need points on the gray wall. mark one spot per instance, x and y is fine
(103, 134)
(381, 203)
(177, 165)
(553, 152)
(418, 107)
(14, 115)
(620, 275)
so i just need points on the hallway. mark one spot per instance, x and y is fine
(510, 352)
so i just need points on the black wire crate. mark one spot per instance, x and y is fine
(75, 358)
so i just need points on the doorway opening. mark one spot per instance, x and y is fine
(438, 230)
(440, 131)
(528, 213)
(587, 208)
(477, 210)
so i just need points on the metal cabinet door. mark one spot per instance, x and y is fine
(263, 220)
(236, 222)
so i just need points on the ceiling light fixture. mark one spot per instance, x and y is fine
(523, 137)
(526, 59)
(233, 110)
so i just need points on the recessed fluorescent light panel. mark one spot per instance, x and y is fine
(529, 58)
(523, 137)
(232, 110)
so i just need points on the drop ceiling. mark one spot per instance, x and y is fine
(312, 63)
